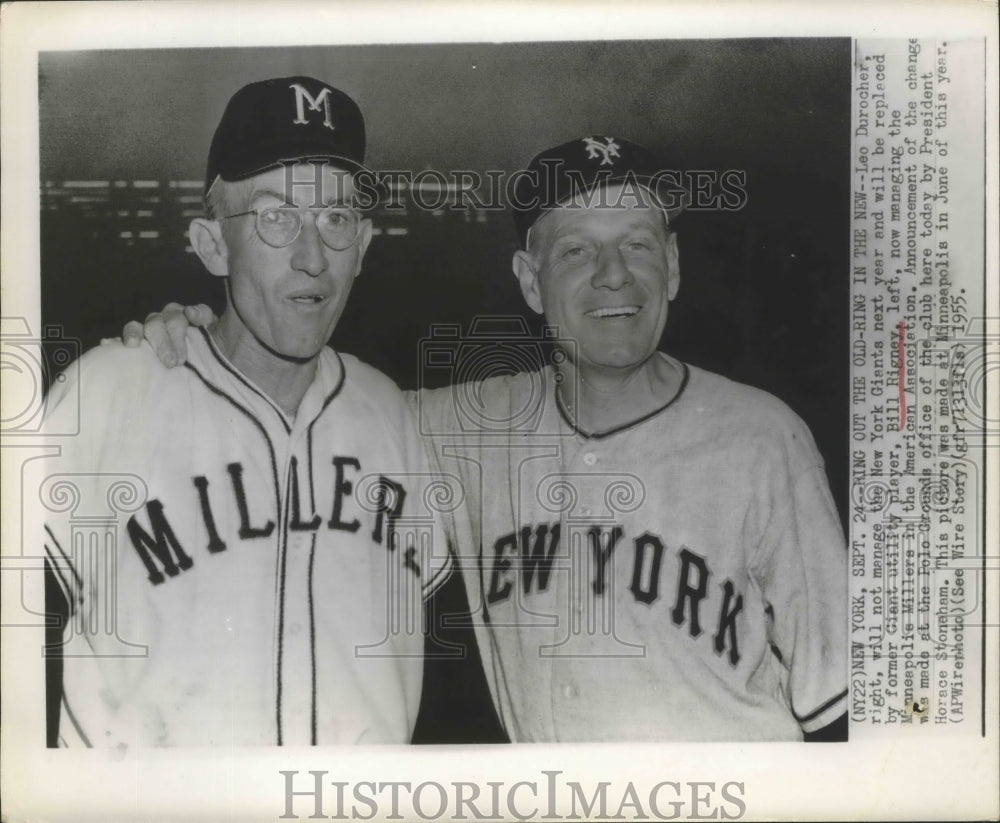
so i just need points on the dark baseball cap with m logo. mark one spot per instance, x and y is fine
(287, 119)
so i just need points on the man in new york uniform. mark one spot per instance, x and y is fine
(654, 553)
(658, 556)
(271, 537)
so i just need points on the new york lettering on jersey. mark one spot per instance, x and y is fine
(667, 560)
(528, 556)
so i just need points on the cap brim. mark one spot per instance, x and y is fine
(373, 186)
(669, 198)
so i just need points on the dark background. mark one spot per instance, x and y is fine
(764, 290)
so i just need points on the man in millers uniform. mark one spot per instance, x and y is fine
(263, 580)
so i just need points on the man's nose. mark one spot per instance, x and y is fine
(612, 271)
(309, 251)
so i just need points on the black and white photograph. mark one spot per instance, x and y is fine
(398, 402)
(444, 306)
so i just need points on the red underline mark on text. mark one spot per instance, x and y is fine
(901, 353)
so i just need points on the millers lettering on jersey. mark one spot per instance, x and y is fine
(528, 555)
(163, 555)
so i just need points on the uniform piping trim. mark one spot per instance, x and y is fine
(638, 421)
(239, 376)
(814, 714)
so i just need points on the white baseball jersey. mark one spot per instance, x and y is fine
(238, 576)
(682, 577)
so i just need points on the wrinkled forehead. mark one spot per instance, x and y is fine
(618, 206)
(303, 184)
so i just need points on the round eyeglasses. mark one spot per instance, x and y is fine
(278, 226)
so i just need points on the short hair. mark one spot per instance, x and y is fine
(224, 197)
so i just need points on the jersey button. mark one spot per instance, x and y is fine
(569, 691)
(590, 458)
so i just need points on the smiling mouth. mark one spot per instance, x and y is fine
(309, 299)
(609, 312)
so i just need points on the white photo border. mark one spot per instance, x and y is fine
(922, 778)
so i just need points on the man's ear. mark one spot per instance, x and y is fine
(673, 266)
(527, 276)
(210, 246)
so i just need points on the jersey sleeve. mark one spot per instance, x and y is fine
(801, 567)
(87, 425)
(440, 495)
(64, 432)
(83, 486)
(435, 413)
(65, 427)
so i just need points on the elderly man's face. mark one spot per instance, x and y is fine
(291, 297)
(604, 276)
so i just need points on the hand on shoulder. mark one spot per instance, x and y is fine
(166, 331)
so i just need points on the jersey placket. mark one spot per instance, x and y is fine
(293, 618)
(593, 646)
(293, 670)
(296, 664)
(578, 607)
